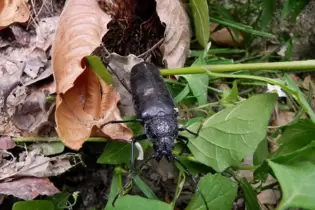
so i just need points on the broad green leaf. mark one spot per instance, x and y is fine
(218, 190)
(98, 67)
(261, 152)
(296, 175)
(129, 202)
(60, 200)
(250, 195)
(200, 15)
(268, 8)
(116, 184)
(182, 94)
(34, 204)
(233, 133)
(295, 137)
(242, 27)
(116, 153)
(50, 148)
(193, 166)
(144, 188)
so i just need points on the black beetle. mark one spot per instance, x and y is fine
(156, 111)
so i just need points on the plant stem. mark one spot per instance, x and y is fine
(52, 139)
(284, 66)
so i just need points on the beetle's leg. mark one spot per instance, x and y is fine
(133, 141)
(120, 121)
(131, 178)
(185, 140)
(191, 132)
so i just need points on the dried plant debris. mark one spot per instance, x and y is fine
(28, 188)
(35, 164)
(6, 143)
(33, 112)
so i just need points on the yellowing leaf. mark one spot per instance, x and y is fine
(84, 102)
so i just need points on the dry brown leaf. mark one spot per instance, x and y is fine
(282, 118)
(6, 142)
(80, 106)
(13, 11)
(175, 47)
(28, 188)
(32, 113)
(226, 37)
(35, 164)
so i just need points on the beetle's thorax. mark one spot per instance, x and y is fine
(162, 131)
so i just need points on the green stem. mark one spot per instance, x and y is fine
(285, 66)
(53, 139)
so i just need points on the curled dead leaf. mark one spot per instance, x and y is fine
(28, 188)
(175, 47)
(13, 11)
(84, 102)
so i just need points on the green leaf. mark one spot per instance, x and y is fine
(182, 94)
(250, 195)
(198, 83)
(144, 188)
(129, 202)
(114, 189)
(296, 175)
(60, 200)
(233, 133)
(242, 27)
(230, 97)
(179, 187)
(193, 166)
(268, 8)
(295, 137)
(218, 190)
(116, 153)
(98, 67)
(261, 152)
(200, 15)
(34, 204)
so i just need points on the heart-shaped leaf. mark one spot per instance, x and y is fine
(233, 133)
(219, 193)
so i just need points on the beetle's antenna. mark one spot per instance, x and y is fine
(120, 80)
(133, 174)
(193, 179)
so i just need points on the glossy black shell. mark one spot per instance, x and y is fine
(150, 95)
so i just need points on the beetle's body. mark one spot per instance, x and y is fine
(156, 110)
(154, 105)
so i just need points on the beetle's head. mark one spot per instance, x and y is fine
(163, 147)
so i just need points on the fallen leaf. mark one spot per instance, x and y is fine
(35, 60)
(282, 118)
(6, 142)
(122, 65)
(226, 37)
(32, 113)
(34, 164)
(12, 12)
(83, 101)
(175, 47)
(28, 188)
